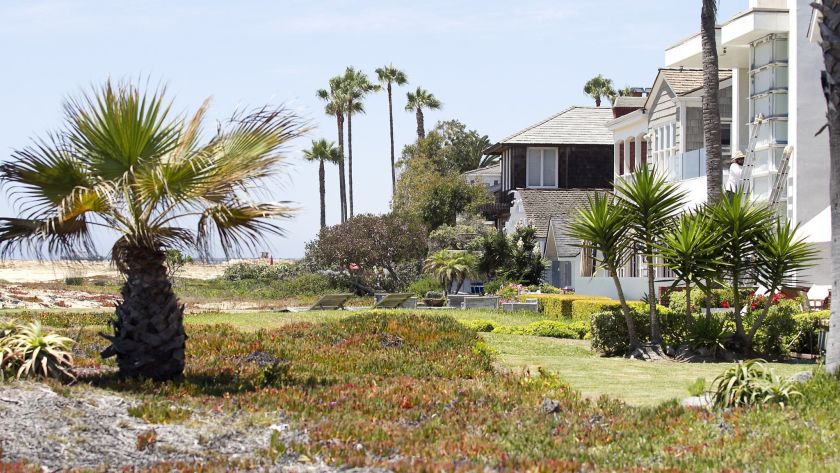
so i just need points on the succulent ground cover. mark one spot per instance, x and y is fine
(410, 392)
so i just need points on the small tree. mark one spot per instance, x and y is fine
(601, 225)
(779, 256)
(524, 264)
(175, 262)
(691, 248)
(495, 253)
(599, 87)
(448, 267)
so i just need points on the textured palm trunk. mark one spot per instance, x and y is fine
(655, 332)
(597, 101)
(322, 188)
(391, 125)
(339, 117)
(350, 155)
(628, 319)
(421, 130)
(830, 32)
(711, 100)
(149, 338)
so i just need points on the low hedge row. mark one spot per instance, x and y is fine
(571, 306)
(543, 328)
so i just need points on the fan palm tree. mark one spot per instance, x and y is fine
(417, 101)
(652, 202)
(599, 87)
(335, 106)
(124, 163)
(600, 226)
(390, 76)
(449, 266)
(780, 255)
(741, 224)
(322, 151)
(711, 102)
(691, 249)
(830, 34)
(356, 87)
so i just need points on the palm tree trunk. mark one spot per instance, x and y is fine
(350, 157)
(323, 190)
(655, 332)
(711, 102)
(340, 121)
(149, 338)
(628, 319)
(598, 101)
(391, 124)
(830, 33)
(421, 131)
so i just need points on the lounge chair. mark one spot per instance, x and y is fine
(393, 301)
(331, 302)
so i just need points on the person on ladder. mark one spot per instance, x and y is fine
(735, 170)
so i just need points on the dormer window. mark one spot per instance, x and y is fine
(541, 167)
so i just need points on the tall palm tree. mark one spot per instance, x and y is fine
(389, 76)
(356, 87)
(830, 33)
(335, 106)
(323, 151)
(599, 87)
(711, 102)
(601, 226)
(652, 202)
(417, 101)
(122, 162)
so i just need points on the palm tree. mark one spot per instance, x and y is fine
(780, 254)
(122, 162)
(390, 75)
(335, 106)
(600, 226)
(741, 224)
(322, 151)
(599, 87)
(417, 101)
(652, 202)
(830, 34)
(691, 249)
(711, 102)
(449, 266)
(356, 87)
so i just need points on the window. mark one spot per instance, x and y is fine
(542, 167)
(726, 134)
(665, 149)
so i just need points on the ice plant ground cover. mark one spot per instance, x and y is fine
(421, 392)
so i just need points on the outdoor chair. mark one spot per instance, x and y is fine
(393, 301)
(331, 302)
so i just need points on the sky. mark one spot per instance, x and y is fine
(497, 66)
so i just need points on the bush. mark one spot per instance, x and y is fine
(26, 350)
(423, 285)
(609, 329)
(74, 280)
(310, 284)
(260, 271)
(480, 325)
(751, 383)
(807, 331)
(542, 328)
(710, 332)
(559, 306)
(492, 287)
(778, 332)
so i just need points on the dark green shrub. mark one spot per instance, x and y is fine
(552, 328)
(710, 332)
(807, 331)
(423, 285)
(609, 331)
(672, 326)
(309, 284)
(492, 287)
(260, 271)
(480, 325)
(74, 280)
(777, 333)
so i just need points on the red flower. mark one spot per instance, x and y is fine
(725, 304)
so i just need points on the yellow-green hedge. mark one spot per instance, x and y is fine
(571, 306)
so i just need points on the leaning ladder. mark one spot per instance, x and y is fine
(749, 161)
(781, 177)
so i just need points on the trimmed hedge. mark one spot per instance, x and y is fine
(542, 328)
(570, 306)
(609, 330)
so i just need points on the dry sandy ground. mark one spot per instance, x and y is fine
(18, 271)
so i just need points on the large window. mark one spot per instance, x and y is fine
(665, 149)
(542, 167)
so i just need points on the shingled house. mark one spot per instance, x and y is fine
(547, 170)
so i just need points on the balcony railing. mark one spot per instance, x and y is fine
(689, 165)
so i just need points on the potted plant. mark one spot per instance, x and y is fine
(434, 299)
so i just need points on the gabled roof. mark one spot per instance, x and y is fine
(575, 125)
(626, 101)
(682, 81)
(543, 205)
(492, 170)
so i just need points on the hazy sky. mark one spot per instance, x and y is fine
(498, 66)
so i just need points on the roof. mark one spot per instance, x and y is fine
(575, 125)
(492, 170)
(684, 81)
(543, 205)
(627, 101)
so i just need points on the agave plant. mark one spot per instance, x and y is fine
(125, 164)
(751, 383)
(35, 353)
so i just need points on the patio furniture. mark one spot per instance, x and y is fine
(397, 300)
(331, 302)
(481, 302)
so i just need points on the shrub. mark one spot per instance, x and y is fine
(609, 329)
(493, 287)
(28, 351)
(308, 284)
(480, 325)
(709, 332)
(559, 306)
(807, 331)
(260, 271)
(433, 295)
(423, 285)
(74, 280)
(751, 383)
(777, 333)
(545, 328)
(549, 289)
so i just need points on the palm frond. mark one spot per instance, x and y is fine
(241, 226)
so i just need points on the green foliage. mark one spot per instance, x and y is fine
(480, 325)
(74, 280)
(807, 331)
(778, 331)
(450, 267)
(495, 253)
(175, 260)
(709, 332)
(467, 236)
(260, 271)
(423, 285)
(562, 306)
(751, 383)
(609, 330)
(433, 295)
(599, 87)
(546, 328)
(698, 387)
(159, 412)
(524, 264)
(28, 351)
(493, 286)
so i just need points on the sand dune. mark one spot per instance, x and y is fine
(18, 271)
